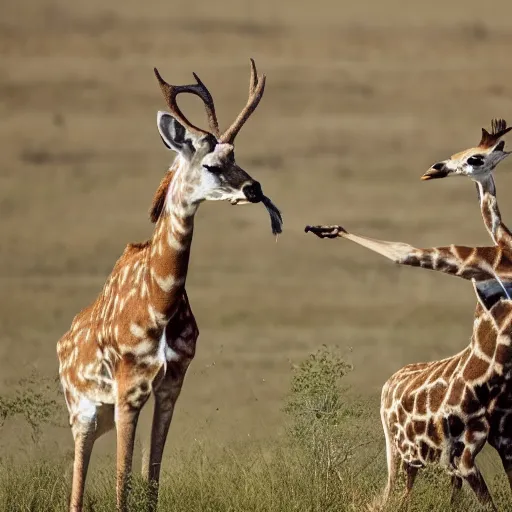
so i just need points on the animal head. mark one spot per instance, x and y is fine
(208, 157)
(478, 162)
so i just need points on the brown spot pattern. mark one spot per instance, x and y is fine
(421, 402)
(437, 394)
(475, 368)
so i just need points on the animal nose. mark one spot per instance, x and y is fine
(253, 192)
(438, 170)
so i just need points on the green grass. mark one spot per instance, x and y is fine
(283, 479)
(330, 458)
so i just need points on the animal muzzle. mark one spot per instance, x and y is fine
(253, 192)
(436, 171)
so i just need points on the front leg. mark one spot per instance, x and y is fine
(126, 424)
(181, 335)
(395, 251)
(133, 390)
(479, 263)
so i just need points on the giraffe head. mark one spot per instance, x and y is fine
(206, 159)
(478, 162)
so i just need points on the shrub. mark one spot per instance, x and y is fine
(31, 401)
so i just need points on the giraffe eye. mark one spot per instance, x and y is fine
(476, 160)
(213, 168)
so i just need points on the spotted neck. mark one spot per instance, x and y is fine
(170, 246)
(491, 347)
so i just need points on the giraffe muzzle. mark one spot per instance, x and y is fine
(253, 192)
(436, 171)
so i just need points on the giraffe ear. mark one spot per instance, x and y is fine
(174, 135)
(171, 131)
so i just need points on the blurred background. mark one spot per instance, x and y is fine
(361, 98)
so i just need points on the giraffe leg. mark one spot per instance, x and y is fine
(410, 477)
(126, 424)
(84, 434)
(456, 488)
(181, 339)
(477, 483)
(165, 400)
(411, 472)
(392, 459)
(451, 260)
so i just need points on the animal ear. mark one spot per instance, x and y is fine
(174, 135)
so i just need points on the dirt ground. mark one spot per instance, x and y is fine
(361, 98)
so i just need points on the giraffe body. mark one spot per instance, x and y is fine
(139, 336)
(445, 411)
(124, 329)
(440, 411)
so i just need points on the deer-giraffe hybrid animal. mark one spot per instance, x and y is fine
(436, 411)
(139, 335)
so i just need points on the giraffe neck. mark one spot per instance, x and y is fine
(491, 215)
(491, 344)
(169, 252)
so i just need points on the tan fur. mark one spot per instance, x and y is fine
(139, 336)
(159, 198)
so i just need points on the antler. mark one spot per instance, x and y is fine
(171, 91)
(498, 129)
(256, 88)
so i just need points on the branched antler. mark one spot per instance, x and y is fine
(256, 88)
(171, 91)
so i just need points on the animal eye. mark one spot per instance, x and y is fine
(476, 160)
(213, 168)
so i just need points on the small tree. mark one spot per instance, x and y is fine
(328, 428)
(31, 401)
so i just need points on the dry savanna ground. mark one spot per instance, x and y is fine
(361, 98)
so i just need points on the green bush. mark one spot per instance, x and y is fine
(30, 400)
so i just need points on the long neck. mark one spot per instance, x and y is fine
(490, 344)
(491, 213)
(169, 252)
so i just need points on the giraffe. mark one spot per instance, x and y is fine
(482, 161)
(432, 385)
(139, 336)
